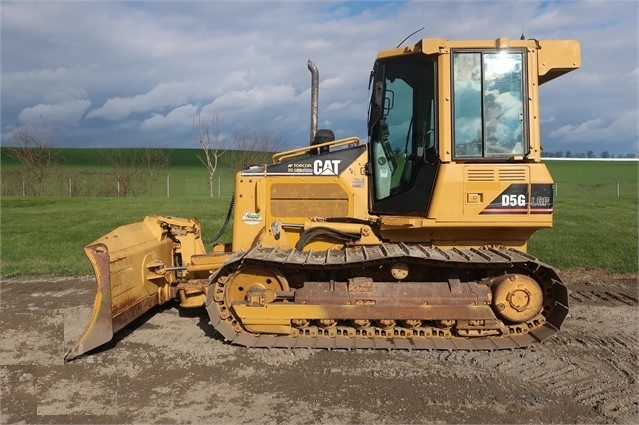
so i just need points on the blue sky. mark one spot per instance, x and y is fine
(107, 74)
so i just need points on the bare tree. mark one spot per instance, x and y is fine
(254, 146)
(35, 150)
(136, 170)
(125, 169)
(153, 163)
(210, 139)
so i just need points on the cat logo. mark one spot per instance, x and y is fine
(329, 167)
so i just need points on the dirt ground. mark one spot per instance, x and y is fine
(170, 367)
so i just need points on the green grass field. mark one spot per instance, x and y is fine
(596, 225)
(45, 236)
(596, 212)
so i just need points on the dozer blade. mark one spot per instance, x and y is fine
(130, 270)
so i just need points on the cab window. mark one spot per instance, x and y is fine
(488, 104)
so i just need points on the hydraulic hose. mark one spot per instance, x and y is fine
(219, 234)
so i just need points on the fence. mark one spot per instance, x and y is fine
(579, 178)
(610, 189)
(177, 184)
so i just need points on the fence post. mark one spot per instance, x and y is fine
(617, 188)
(69, 187)
(168, 185)
(24, 186)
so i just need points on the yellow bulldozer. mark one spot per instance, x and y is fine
(415, 239)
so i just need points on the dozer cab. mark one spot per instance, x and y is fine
(413, 240)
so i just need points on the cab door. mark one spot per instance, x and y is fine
(402, 157)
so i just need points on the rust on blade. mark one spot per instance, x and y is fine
(135, 271)
(99, 330)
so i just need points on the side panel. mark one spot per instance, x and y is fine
(467, 193)
(249, 219)
(273, 204)
(481, 204)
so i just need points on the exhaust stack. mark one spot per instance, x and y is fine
(314, 98)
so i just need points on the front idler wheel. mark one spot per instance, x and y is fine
(517, 298)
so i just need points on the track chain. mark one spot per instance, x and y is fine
(479, 261)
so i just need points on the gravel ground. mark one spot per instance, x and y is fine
(170, 367)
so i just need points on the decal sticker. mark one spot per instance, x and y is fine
(325, 164)
(300, 168)
(319, 167)
(541, 198)
(357, 182)
(328, 167)
(513, 200)
(251, 218)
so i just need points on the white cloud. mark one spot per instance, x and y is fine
(64, 113)
(573, 133)
(164, 94)
(256, 98)
(339, 106)
(147, 65)
(596, 130)
(179, 117)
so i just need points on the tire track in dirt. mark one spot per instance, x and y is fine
(597, 350)
(592, 360)
(586, 373)
(604, 297)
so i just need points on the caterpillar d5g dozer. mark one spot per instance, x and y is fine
(416, 239)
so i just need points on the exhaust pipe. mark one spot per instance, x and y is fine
(314, 98)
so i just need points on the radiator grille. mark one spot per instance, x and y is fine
(486, 175)
(308, 200)
(513, 174)
(504, 174)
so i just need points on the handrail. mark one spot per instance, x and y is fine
(280, 156)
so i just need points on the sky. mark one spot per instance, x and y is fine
(123, 74)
